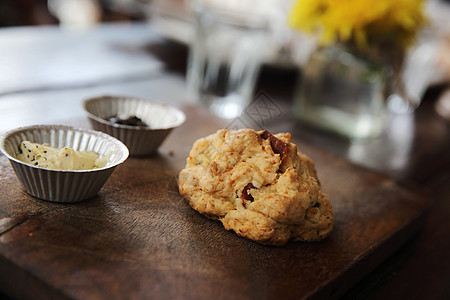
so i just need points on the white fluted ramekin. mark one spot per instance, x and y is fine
(160, 118)
(60, 185)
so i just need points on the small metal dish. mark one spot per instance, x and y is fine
(60, 185)
(161, 119)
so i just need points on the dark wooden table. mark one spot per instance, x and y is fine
(46, 73)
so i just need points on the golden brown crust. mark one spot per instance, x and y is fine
(258, 185)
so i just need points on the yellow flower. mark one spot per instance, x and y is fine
(361, 22)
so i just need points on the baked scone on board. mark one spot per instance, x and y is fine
(258, 185)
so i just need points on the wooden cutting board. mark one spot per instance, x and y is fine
(139, 239)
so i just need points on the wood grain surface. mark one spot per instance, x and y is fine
(139, 239)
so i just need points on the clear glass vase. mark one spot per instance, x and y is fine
(342, 93)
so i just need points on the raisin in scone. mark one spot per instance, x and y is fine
(257, 184)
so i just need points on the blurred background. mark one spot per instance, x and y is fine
(172, 20)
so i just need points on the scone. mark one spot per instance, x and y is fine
(258, 185)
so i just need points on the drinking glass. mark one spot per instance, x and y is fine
(225, 56)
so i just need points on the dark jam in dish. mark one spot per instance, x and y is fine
(130, 121)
